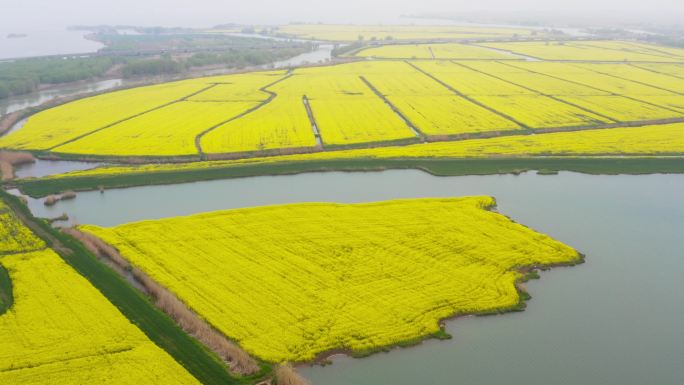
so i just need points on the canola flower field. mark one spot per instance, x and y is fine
(369, 103)
(289, 282)
(350, 32)
(660, 140)
(61, 330)
(432, 51)
(609, 51)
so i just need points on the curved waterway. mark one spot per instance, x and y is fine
(616, 319)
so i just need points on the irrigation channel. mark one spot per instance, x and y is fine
(614, 320)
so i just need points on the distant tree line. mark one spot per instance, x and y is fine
(343, 49)
(192, 50)
(26, 75)
(234, 58)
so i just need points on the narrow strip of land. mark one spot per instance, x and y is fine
(312, 120)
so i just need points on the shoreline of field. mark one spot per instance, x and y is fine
(608, 165)
(526, 273)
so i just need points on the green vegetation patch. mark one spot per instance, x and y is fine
(439, 167)
(161, 329)
(6, 298)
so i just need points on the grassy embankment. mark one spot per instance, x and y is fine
(6, 298)
(438, 167)
(161, 329)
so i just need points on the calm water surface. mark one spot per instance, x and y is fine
(617, 319)
(19, 102)
(44, 41)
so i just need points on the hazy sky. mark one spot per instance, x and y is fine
(29, 14)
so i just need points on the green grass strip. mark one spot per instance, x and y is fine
(6, 298)
(435, 166)
(198, 360)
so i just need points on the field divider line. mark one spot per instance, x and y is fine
(104, 353)
(509, 52)
(416, 131)
(271, 95)
(312, 120)
(630, 80)
(468, 98)
(656, 72)
(540, 93)
(659, 54)
(184, 98)
(610, 93)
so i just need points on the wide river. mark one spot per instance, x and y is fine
(617, 319)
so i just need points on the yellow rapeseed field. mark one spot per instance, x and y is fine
(346, 110)
(239, 87)
(608, 104)
(666, 82)
(167, 131)
(520, 103)
(588, 75)
(431, 107)
(357, 103)
(647, 140)
(61, 330)
(283, 123)
(67, 122)
(396, 32)
(432, 51)
(622, 109)
(674, 70)
(14, 236)
(631, 46)
(582, 50)
(289, 282)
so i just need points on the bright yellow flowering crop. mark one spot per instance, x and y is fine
(631, 46)
(14, 236)
(647, 140)
(620, 108)
(61, 330)
(581, 50)
(396, 32)
(432, 51)
(660, 80)
(289, 282)
(674, 70)
(167, 131)
(67, 122)
(431, 107)
(356, 103)
(282, 123)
